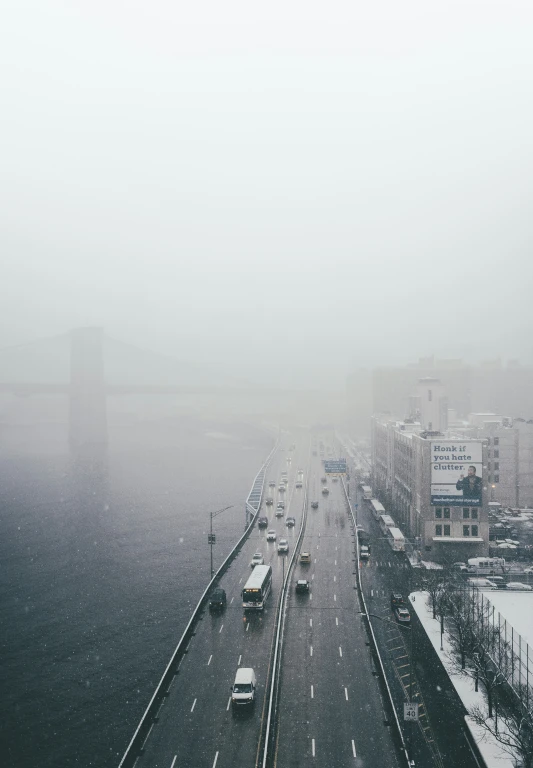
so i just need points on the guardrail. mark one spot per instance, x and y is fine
(371, 630)
(136, 746)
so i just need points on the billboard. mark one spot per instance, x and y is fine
(456, 473)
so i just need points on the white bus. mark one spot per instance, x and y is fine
(257, 588)
(396, 539)
(377, 508)
(386, 522)
(487, 565)
(366, 490)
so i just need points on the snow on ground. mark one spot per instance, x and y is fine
(491, 751)
(516, 608)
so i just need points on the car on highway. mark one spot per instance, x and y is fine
(283, 546)
(290, 522)
(305, 558)
(396, 599)
(272, 483)
(257, 559)
(269, 501)
(243, 689)
(262, 522)
(281, 488)
(217, 601)
(314, 505)
(518, 586)
(402, 614)
(302, 585)
(280, 511)
(271, 535)
(325, 490)
(335, 478)
(323, 480)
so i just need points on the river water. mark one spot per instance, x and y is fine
(100, 569)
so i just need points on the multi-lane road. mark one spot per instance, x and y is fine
(329, 708)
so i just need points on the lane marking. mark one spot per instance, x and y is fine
(209, 662)
(336, 621)
(311, 650)
(313, 747)
(346, 693)
(312, 577)
(335, 598)
(221, 628)
(240, 582)
(310, 622)
(248, 626)
(312, 692)
(215, 761)
(229, 704)
(174, 761)
(340, 651)
(335, 578)
(317, 546)
(315, 559)
(239, 662)
(353, 748)
(310, 596)
(232, 599)
(193, 705)
(335, 562)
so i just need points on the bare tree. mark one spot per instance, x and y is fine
(513, 730)
(433, 584)
(460, 626)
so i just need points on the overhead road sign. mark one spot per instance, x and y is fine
(335, 467)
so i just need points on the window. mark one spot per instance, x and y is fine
(496, 441)
(438, 513)
(447, 513)
(466, 513)
(474, 513)
(430, 395)
(466, 530)
(496, 453)
(496, 478)
(447, 530)
(438, 530)
(474, 530)
(496, 466)
(489, 465)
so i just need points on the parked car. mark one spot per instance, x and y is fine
(528, 570)
(396, 599)
(217, 601)
(305, 558)
(262, 522)
(402, 614)
(517, 585)
(257, 559)
(271, 535)
(364, 552)
(462, 567)
(283, 546)
(290, 522)
(302, 585)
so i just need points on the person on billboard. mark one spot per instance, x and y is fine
(471, 485)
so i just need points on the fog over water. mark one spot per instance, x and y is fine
(344, 178)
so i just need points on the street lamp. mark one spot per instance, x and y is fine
(211, 538)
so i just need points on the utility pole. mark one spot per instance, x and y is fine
(211, 538)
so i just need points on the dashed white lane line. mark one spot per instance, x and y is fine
(313, 747)
(310, 596)
(340, 651)
(229, 704)
(215, 760)
(247, 627)
(209, 662)
(193, 705)
(174, 761)
(317, 546)
(315, 559)
(335, 598)
(310, 650)
(335, 578)
(335, 562)
(312, 692)
(221, 628)
(310, 622)
(346, 693)
(336, 621)
(353, 748)
(239, 662)
(312, 577)
(232, 599)
(240, 582)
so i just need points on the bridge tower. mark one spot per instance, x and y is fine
(88, 415)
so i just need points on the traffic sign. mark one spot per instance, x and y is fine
(335, 467)
(211, 538)
(410, 712)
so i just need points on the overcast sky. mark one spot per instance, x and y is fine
(283, 182)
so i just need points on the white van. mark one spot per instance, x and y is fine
(243, 689)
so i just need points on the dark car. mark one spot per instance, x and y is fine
(302, 585)
(314, 505)
(396, 599)
(262, 522)
(290, 522)
(217, 601)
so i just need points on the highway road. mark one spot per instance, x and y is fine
(330, 707)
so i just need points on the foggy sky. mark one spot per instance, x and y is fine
(270, 185)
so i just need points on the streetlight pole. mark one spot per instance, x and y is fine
(211, 538)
